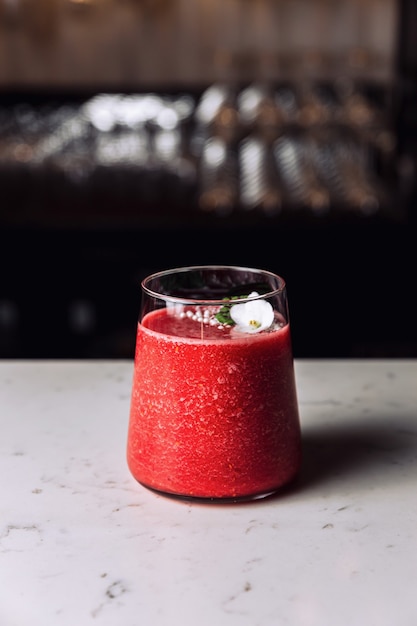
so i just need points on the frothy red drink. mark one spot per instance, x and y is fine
(214, 412)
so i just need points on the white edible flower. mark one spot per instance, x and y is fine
(252, 316)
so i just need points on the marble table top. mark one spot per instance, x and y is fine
(81, 543)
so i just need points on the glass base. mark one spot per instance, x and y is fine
(265, 495)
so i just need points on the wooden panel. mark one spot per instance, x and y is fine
(127, 42)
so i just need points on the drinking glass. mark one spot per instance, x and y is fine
(214, 412)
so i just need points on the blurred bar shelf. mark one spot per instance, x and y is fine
(280, 154)
(100, 189)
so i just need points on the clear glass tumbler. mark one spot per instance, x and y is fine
(214, 412)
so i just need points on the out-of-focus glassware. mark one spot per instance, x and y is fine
(259, 112)
(218, 177)
(269, 148)
(302, 185)
(341, 164)
(259, 183)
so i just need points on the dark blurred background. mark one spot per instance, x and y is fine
(139, 135)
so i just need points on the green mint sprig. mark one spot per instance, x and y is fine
(223, 316)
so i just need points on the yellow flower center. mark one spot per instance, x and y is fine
(254, 323)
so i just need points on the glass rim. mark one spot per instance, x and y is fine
(211, 301)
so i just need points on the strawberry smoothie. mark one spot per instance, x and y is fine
(214, 412)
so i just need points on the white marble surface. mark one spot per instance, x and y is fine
(81, 543)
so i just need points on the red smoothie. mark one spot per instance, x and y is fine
(213, 414)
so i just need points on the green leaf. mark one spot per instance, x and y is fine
(223, 316)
